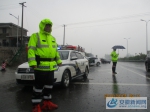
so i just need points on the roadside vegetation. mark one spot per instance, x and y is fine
(137, 57)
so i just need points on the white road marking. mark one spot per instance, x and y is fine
(133, 67)
(135, 72)
(121, 84)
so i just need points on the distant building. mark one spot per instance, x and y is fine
(8, 35)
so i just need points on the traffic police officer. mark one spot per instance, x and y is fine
(44, 58)
(114, 58)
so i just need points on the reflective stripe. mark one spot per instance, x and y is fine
(36, 100)
(37, 90)
(32, 47)
(48, 86)
(47, 97)
(31, 59)
(43, 67)
(39, 43)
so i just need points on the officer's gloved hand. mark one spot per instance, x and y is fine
(60, 64)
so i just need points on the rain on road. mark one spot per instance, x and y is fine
(82, 95)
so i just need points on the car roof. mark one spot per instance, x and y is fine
(70, 50)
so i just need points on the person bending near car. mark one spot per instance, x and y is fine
(114, 58)
(44, 58)
(3, 67)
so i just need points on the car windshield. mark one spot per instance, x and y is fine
(63, 55)
(89, 55)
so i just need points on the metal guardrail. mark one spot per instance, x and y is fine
(16, 55)
(131, 60)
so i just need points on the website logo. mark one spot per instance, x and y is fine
(112, 103)
(126, 102)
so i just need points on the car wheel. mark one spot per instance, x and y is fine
(147, 67)
(97, 64)
(86, 73)
(65, 79)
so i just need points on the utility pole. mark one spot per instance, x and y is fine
(64, 35)
(22, 22)
(127, 45)
(17, 27)
(146, 34)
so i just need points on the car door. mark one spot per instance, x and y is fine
(96, 60)
(73, 62)
(92, 61)
(83, 62)
(80, 62)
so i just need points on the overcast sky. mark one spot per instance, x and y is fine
(96, 25)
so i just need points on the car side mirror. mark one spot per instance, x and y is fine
(74, 58)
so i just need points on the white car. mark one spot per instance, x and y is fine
(74, 64)
(93, 61)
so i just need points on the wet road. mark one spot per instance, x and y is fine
(82, 95)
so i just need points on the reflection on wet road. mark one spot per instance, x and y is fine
(82, 95)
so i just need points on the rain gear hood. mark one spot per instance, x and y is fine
(42, 26)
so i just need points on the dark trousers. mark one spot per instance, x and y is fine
(114, 67)
(43, 85)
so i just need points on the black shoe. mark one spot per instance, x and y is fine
(115, 73)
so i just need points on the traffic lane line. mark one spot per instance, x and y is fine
(121, 84)
(141, 68)
(124, 84)
(135, 72)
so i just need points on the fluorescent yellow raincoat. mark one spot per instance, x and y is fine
(114, 56)
(43, 45)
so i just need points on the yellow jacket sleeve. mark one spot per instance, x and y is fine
(31, 50)
(58, 60)
(57, 57)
